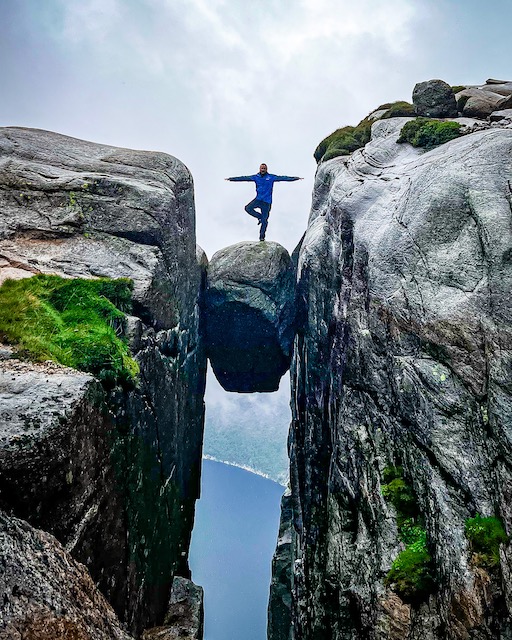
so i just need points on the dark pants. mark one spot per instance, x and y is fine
(262, 216)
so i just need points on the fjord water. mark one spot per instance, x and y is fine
(234, 537)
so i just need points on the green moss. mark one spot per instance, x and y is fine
(410, 574)
(400, 494)
(343, 141)
(75, 322)
(72, 199)
(411, 532)
(390, 473)
(427, 133)
(399, 109)
(458, 87)
(346, 140)
(485, 536)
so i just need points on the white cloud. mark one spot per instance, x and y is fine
(342, 22)
(226, 84)
(89, 19)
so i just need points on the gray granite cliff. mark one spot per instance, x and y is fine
(112, 473)
(401, 396)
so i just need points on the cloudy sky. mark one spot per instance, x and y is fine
(226, 84)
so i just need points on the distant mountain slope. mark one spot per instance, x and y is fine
(249, 430)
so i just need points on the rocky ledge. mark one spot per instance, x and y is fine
(46, 595)
(111, 471)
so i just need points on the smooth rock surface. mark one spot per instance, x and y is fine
(86, 197)
(113, 474)
(434, 99)
(250, 314)
(498, 86)
(45, 594)
(403, 357)
(481, 102)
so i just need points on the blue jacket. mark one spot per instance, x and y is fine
(264, 184)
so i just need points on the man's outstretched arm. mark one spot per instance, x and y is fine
(286, 179)
(240, 179)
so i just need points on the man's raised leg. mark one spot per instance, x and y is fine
(250, 208)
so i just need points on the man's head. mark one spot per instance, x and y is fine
(263, 168)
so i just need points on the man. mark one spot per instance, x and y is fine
(263, 201)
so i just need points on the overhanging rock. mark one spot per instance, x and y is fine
(249, 311)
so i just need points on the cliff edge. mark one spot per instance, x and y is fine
(400, 442)
(109, 466)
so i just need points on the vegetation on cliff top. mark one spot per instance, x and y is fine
(420, 132)
(76, 322)
(344, 141)
(410, 575)
(429, 133)
(485, 536)
(398, 109)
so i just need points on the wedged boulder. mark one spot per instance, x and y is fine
(434, 99)
(113, 473)
(45, 594)
(402, 366)
(249, 315)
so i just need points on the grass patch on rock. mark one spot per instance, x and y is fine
(410, 575)
(344, 141)
(76, 322)
(396, 491)
(399, 109)
(428, 133)
(485, 536)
